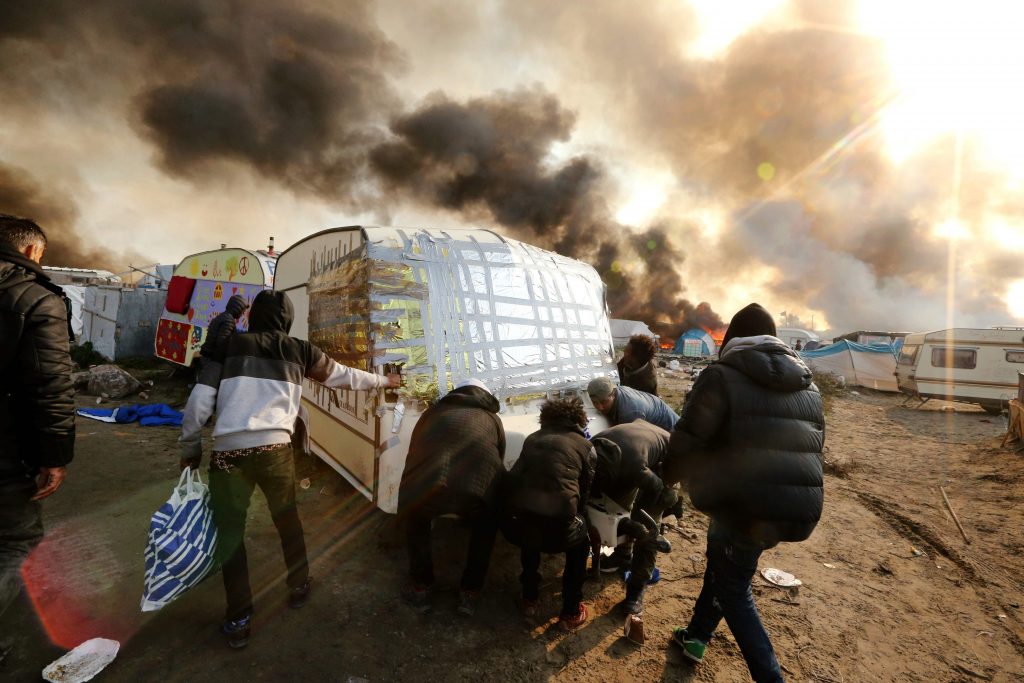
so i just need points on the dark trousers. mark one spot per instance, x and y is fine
(732, 562)
(534, 535)
(641, 568)
(230, 492)
(21, 529)
(483, 529)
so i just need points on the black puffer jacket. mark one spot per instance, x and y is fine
(629, 456)
(458, 445)
(643, 378)
(221, 328)
(552, 476)
(37, 404)
(749, 442)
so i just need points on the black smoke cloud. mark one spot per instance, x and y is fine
(56, 213)
(491, 156)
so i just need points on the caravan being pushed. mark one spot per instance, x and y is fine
(963, 364)
(438, 306)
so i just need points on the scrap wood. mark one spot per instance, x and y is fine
(955, 518)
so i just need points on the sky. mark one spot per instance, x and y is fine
(854, 165)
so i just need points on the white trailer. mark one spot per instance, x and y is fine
(438, 306)
(968, 365)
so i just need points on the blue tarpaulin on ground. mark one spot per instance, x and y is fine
(148, 415)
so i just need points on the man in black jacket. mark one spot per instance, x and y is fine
(636, 367)
(455, 462)
(627, 470)
(544, 499)
(37, 418)
(218, 334)
(749, 444)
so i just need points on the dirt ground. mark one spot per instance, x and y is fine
(891, 592)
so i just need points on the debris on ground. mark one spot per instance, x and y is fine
(82, 663)
(111, 381)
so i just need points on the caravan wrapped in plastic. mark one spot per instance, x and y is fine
(438, 306)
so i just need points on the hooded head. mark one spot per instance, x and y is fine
(751, 321)
(236, 306)
(271, 312)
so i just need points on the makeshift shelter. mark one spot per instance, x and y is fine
(622, 330)
(865, 365)
(76, 294)
(695, 343)
(119, 322)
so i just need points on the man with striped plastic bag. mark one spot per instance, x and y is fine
(256, 394)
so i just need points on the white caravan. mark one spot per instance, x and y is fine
(963, 364)
(438, 306)
(792, 335)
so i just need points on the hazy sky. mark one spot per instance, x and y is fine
(858, 163)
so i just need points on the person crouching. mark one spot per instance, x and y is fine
(544, 501)
(454, 466)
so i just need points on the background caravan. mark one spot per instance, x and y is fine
(198, 292)
(437, 306)
(963, 364)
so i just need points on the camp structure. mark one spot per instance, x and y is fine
(865, 365)
(438, 306)
(791, 335)
(872, 337)
(118, 321)
(622, 330)
(199, 290)
(695, 343)
(969, 365)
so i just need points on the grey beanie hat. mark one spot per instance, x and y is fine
(600, 388)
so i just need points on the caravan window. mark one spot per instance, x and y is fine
(1015, 356)
(908, 356)
(959, 359)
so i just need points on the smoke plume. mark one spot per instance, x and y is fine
(492, 157)
(21, 195)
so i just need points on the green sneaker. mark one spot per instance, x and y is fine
(692, 648)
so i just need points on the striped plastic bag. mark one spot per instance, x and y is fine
(182, 542)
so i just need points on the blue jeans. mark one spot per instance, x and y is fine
(732, 561)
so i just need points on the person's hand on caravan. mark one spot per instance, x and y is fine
(394, 380)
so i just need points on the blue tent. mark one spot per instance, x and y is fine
(695, 342)
(866, 365)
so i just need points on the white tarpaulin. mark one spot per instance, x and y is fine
(622, 330)
(77, 295)
(872, 366)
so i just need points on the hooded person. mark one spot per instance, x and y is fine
(256, 396)
(221, 328)
(454, 466)
(749, 447)
(627, 470)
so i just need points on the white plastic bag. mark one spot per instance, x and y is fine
(182, 542)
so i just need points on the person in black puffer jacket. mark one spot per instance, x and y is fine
(37, 415)
(455, 462)
(218, 334)
(749, 446)
(544, 499)
(629, 460)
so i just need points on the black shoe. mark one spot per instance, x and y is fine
(634, 602)
(237, 632)
(297, 596)
(616, 562)
(417, 597)
(468, 602)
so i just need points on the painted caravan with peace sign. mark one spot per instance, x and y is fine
(199, 291)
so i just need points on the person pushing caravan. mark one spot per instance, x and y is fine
(256, 395)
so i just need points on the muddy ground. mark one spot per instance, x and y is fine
(891, 592)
